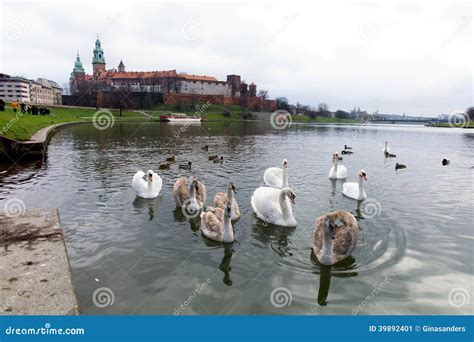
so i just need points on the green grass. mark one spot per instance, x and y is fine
(469, 125)
(21, 127)
(320, 119)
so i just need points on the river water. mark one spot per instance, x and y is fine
(132, 256)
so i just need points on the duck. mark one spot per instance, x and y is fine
(347, 147)
(221, 199)
(213, 157)
(276, 177)
(355, 190)
(219, 160)
(390, 155)
(386, 149)
(171, 159)
(189, 191)
(147, 188)
(274, 205)
(206, 148)
(445, 162)
(400, 166)
(164, 166)
(335, 236)
(186, 166)
(216, 224)
(346, 152)
(337, 171)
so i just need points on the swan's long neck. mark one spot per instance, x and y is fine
(284, 206)
(192, 193)
(228, 230)
(150, 183)
(361, 186)
(285, 177)
(336, 161)
(328, 245)
(230, 196)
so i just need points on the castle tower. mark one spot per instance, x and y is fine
(253, 89)
(234, 82)
(121, 67)
(77, 75)
(98, 60)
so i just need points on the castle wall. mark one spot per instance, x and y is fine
(205, 88)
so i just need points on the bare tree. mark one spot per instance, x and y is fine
(263, 94)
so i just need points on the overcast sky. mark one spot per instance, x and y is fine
(396, 57)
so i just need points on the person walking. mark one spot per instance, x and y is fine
(14, 106)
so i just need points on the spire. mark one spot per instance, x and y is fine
(121, 67)
(78, 64)
(98, 53)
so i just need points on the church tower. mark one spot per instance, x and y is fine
(77, 76)
(98, 60)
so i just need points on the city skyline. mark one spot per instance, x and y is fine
(373, 56)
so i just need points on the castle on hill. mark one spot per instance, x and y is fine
(173, 87)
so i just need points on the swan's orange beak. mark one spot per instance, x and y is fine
(293, 199)
(365, 177)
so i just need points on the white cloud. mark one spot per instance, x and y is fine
(405, 57)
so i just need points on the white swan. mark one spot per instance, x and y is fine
(189, 191)
(216, 224)
(221, 199)
(276, 177)
(149, 188)
(335, 236)
(337, 171)
(355, 190)
(386, 149)
(274, 205)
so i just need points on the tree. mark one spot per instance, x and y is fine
(282, 103)
(263, 94)
(340, 114)
(470, 113)
(323, 110)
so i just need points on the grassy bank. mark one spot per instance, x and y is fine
(320, 119)
(469, 125)
(21, 127)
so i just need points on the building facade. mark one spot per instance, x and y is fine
(19, 89)
(167, 81)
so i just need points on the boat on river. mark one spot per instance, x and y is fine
(181, 118)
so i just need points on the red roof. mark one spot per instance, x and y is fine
(199, 78)
(137, 74)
